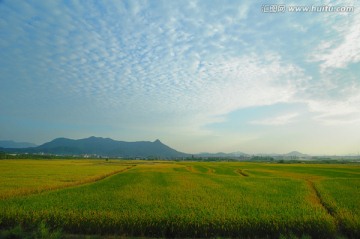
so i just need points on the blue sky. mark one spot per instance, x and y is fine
(199, 75)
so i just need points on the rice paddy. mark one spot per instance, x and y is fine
(182, 199)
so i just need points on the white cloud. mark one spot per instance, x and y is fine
(278, 120)
(340, 119)
(339, 112)
(342, 48)
(168, 66)
(132, 69)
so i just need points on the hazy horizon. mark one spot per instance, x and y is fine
(201, 76)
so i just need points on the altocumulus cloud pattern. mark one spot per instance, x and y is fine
(184, 71)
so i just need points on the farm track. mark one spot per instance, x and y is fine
(67, 185)
(318, 197)
(241, 172)
(190, 169)
(205, 170)
(210, 171)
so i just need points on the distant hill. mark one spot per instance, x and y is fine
(291, 155)
(296, 154)
(104, 147)
(13, 144)
(223, 155)
(239, 154)
(107, 147)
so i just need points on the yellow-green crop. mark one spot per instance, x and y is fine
(21, 177)
(189, 199)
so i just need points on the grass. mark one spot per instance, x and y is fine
(192, 199)
(41, 231)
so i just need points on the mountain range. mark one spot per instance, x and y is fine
(294, 154)
(102, 147)
(107, 147)
(15, 145)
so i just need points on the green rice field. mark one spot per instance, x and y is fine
(182, 199)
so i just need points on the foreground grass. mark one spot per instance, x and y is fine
(201, 200)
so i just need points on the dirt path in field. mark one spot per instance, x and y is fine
(190, 169)
(241, 173)
(317, 198)
(210, 171)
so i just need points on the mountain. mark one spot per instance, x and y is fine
(293, 154)
(13, 144)
(112, 148)
(296, 154)
(223, 155)
(239, 154)
(104, 147)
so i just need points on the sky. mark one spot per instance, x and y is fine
(201, 76)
